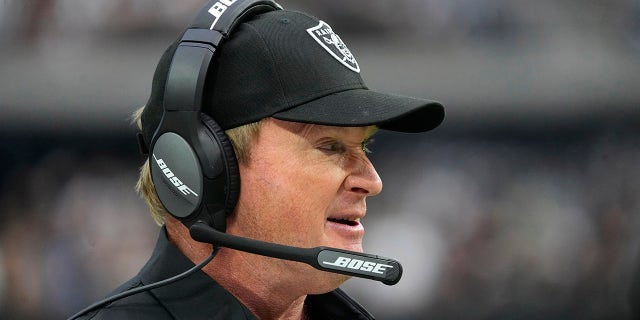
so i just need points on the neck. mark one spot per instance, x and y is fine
(257, 286)
(248, 277)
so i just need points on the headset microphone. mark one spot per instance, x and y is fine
(351, 263)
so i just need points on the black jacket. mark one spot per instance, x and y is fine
(200, 297)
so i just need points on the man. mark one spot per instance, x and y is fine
(288, 93)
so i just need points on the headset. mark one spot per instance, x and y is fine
(193, 164)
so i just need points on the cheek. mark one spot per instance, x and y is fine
(302, 194)
(289, 201)
(303, 182)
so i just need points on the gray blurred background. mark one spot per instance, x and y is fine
(524, 204)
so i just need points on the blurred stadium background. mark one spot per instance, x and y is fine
(524, 205)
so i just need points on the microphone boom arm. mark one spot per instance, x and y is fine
(351, 263)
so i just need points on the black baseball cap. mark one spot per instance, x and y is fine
(292, 66)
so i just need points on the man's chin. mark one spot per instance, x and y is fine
(355, 247)
(330, 281)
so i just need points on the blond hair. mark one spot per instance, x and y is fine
(241, 138)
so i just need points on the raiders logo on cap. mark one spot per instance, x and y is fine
(324, 35)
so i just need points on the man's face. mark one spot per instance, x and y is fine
(306, 185)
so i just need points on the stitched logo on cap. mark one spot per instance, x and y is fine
(324, 35)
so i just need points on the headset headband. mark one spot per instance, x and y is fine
(190, 64)
(193, 165)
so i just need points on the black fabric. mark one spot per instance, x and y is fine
(272, 66)
(200, 297)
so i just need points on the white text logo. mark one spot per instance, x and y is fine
(172, 177)
(356, 264)
(218, 8)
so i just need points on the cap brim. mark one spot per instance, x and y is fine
(362, 107)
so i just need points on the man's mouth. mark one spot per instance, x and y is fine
(345, 221)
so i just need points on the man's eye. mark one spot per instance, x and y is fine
(334, 147)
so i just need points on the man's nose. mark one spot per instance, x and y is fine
(364, 179)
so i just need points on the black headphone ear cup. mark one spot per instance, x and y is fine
(232, 188)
